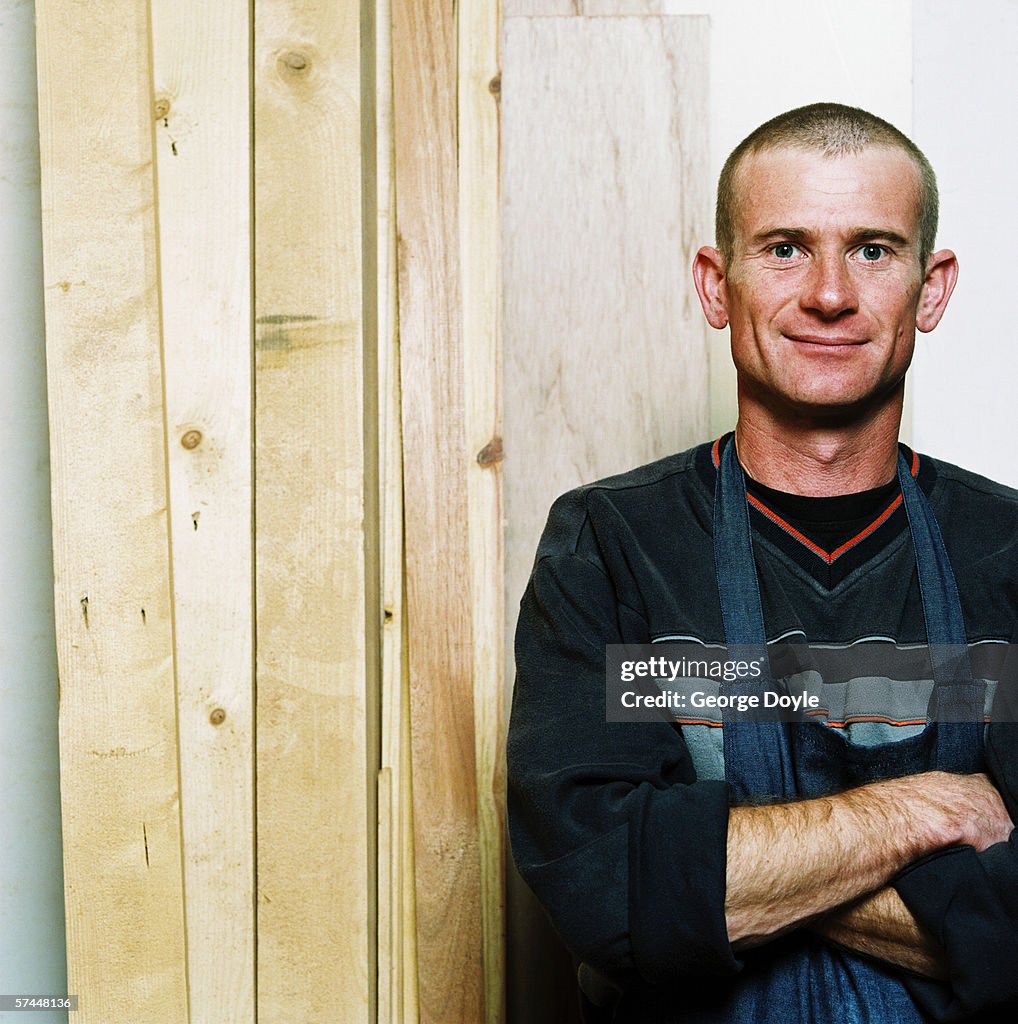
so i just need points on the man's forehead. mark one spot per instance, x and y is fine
(795, 185)
(875, 158)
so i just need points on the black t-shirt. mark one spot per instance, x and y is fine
(828, 522)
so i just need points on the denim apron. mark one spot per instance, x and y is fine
(800, 978)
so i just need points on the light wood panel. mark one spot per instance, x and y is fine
(118, 725)
(606, 199)
(314, 815)
(604, 8)
(203, 154)
(479, 86)
(408, 950)
(397, 938)
(436, 462)
(542, 8)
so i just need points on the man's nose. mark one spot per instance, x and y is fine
(829, 290)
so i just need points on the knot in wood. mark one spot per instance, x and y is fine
(495, 86)
(296, 61)
(191, 439)
(162, 108)
(218, 716)
(491, 453)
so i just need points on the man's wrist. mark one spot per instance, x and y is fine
(896, 813)
(921, 824)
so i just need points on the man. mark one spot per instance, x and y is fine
(862, 867)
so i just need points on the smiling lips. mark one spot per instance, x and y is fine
(825, 340)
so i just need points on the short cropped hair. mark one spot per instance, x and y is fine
(833, 130)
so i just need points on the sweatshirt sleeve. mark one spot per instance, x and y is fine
(969, 902)
(608, 825)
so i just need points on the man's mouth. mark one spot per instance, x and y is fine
(826, 340)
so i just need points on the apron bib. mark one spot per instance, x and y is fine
(800, 978)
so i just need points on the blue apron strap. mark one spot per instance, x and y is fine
(741, 611)
(945, 626)
(758, 755)
(957, 699)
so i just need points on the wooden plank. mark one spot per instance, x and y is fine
(397, 966)
(407, 853)
(314, 818)
(436, 461)
(389, 948)
(203, 159)
(606, 200)
(118, 731)
(478, 92)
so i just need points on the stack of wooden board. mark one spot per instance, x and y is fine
(280, 720)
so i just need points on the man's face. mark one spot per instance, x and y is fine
(823, 284)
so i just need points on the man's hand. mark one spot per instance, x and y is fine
(970, 809)
(790, 863)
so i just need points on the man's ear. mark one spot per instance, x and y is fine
(941, 277)
(709, 278)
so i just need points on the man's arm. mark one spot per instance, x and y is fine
(882, 927)
(790, 863)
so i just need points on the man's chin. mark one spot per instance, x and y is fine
(831, 406)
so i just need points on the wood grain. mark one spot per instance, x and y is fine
(601, 8)
(118, 725)
(203, 159)
(411, 1000)
(436, 461)
(314, 801)
(397, 938)
(605, 200)
(478, 93)
(542, 8)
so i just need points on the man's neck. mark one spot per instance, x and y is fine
(818, 459)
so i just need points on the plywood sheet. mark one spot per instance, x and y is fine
(606, 199)
(314, 817)
(118, 726)
(436, 461)
(541, 8)
(203, 154)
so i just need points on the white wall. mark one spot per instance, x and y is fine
(964, 387)
(31, 874)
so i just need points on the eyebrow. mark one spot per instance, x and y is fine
(856, 235)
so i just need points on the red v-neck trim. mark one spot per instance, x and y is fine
(828, 556)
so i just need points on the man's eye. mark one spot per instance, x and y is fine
(871, 253)
(785, 250)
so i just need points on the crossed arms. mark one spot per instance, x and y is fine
(826, 862)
